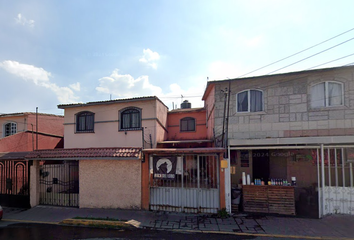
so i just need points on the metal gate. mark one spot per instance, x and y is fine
(193, 187)
(59, 183)
(14, 183)
(336, 188)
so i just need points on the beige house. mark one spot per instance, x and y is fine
(100, 165)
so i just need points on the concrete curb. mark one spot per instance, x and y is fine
(90, 222)
(261, 234)
(135, 224)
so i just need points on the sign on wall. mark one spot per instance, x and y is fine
(164, 167)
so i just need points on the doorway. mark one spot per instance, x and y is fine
(260, 164)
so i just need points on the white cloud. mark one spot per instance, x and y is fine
(75, 86)
(25, 71)
(150, 58)
(39, 77)
(219, 70)
(125, 86)
(23, 21)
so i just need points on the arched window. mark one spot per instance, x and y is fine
(250, 101)
(187, 124)
(327, 94)
(130, 119)
(10, 128)
(85, 122)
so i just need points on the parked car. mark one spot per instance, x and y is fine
(1, 212)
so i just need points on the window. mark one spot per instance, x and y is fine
(130, 119)
(327, 94)
(85, 122)
(250, 101)
(10, 129)
(187, 124)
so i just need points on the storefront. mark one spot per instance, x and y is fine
(304, 180)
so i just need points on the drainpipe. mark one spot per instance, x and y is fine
(32, 139)
(323, 177)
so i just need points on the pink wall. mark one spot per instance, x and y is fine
(173, 124)
(23, 140)
(50, 124)
(106, 127)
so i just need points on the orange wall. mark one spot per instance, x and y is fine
(25, 141)
(173, 125)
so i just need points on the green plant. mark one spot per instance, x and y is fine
(222, 213)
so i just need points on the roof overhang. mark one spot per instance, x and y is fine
(86, 154)
(188, 141)
(184, 150)
(296, 141)
(13, 155)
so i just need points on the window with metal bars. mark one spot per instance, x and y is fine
(10, 129)
(85, 122)
(187, 124)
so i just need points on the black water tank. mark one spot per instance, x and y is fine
(186, 104)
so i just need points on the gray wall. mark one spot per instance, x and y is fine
(287, 109)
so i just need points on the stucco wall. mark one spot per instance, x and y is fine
(287, 106)
(110, 184)
(173, 124)
(106, 127)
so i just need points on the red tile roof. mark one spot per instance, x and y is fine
(86, 153)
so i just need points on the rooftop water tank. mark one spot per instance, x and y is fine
(186, 104)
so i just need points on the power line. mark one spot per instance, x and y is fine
(311, 56)
(331, 61)
(297, 53)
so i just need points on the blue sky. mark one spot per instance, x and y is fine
(58, 52)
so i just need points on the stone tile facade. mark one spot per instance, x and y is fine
(287, 106)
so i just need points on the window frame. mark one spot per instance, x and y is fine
(121, 121)
(326, 93)
(11, 128)
(86, 114)
(249, 101)
(187, 119)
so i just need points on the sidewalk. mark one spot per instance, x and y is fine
(334, 226)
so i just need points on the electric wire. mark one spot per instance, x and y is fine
(297, 53)
(311, 56)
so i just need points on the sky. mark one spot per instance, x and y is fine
(61, 51)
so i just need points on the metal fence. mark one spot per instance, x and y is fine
(193, 186)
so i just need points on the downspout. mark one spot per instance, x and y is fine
(318, 183)
(323, 177)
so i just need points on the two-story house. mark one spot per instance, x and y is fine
(19, 134)
(100, 165)
(185, 173)
(293, 127)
